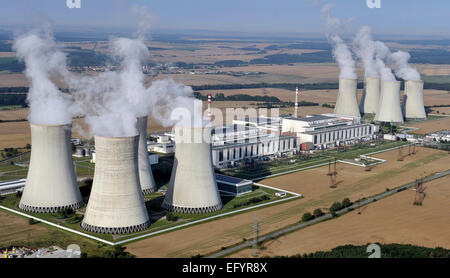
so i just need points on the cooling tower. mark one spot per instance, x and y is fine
(145, 171)
(371, 95)
(116, 204)
(347, 102)
(192, 187)
(51, 184)
(414, 107)
(390, 109)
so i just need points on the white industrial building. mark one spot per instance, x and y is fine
(328, 130)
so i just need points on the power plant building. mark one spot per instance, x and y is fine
(233, 186)
(116, 204)
(51, 183)
(328, 130)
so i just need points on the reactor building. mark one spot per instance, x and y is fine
(347, 101)
(371, 95)
(148, 184)
(51, 183)
(390, 109)
(116, 204)
(413, 104)
(192, 187)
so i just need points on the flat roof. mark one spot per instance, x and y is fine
(312, 118)
(231, 180)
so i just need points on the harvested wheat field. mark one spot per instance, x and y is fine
(314, 184)
(14, 134)
(15, 228)
(432, 126)
(391, 220)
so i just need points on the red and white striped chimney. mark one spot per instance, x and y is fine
(209, 106)
(296, 103)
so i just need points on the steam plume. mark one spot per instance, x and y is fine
(341, 52)
(43, 60)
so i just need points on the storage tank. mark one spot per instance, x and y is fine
(51, 184)
(371, 95)
(413, 104)
(148, 184)
(116, 204)
(192, 186)
(390, 109)
(347, 101)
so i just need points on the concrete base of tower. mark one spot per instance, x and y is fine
(192, 210)
(35, 209)
(115, 230)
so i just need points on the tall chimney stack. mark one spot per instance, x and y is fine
(296, 103)
(209, 106)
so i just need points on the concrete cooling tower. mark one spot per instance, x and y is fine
(192, 187)
(51, 184)
(390, 109)
(116, 204)
(148, 184)
(347, 102)
(371, 95)
(414, 107)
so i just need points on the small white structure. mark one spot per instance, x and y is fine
(192, 186)
(51, 184)
(371, 95)
(116, 204)
(347, 101)
(414, 107)
(390, 109)
(148, 184)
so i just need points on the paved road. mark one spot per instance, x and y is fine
(249, 243)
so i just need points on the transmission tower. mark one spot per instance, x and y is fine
(400, 154)
(420, 193)
(255, 239)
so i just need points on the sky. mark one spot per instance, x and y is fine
(402, 17)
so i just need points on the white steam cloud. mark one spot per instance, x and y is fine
(110, 102)
(402, 68)
(48, 105)
(364, 48)
(341, 52)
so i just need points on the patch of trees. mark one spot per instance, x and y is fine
(11, 64)
(253, 200)
(324, 56)
(13, 99)
(88, 58)
(14, 90)
(238, 97)
(171, 217)
(8, 152)
(5, 46)
(230, 63)
(301, 45)
(430, 56)
(387, 251)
